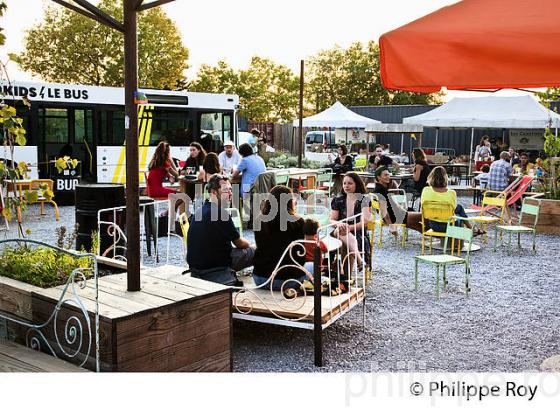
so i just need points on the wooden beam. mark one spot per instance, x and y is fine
(103, 17)
(77, 9)
(131, 137)
(155, 3)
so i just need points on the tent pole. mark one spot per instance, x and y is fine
(470, 154)
(402, 144)
(437, 134)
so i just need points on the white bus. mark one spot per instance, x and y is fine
(87, 123)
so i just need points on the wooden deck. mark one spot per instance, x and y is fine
(174, 323)
(18, 358)
(263, 301)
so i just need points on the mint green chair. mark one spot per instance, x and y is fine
(455, 233)
(282, 179)
(236, 218)
(526, 209)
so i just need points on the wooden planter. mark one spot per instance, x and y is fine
(549, 217)
(175, 323)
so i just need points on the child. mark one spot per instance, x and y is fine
(310, 228)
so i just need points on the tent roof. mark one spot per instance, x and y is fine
(475, 44)
(489, 112)
(337, 116)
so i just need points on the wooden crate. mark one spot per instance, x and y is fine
(175, 323)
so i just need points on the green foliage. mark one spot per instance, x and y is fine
(2, 9)
(70, 48)
(551, 94)
(551, 143)
(284, 160)
(267, 91)
(43, 267)
(352, 77)
(552, 164)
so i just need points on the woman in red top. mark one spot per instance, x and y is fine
(160, 166)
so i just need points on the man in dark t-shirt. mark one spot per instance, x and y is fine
(211, 232)
(380, 160)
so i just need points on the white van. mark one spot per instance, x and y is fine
(320, 141)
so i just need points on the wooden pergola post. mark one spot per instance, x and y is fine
(129, 29)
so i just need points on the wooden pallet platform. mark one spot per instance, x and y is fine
(263, 301)
(175, 323)
(18, 358)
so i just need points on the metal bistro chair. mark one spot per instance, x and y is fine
(458, 233)
(491, 200)
(323, 183)
(526, 209)
(360, 164)
(184, 223)
(377, 220)
(400, 198)
(42, 200)
(436, 211)
(282, 179)
(236, 218)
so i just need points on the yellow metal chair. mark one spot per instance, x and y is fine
(377, 220)
(492, 200)
(360, 164)
(436, 211)
(42, 200)
(184, 223)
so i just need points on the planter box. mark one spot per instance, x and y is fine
(549, 217)
(175, 323)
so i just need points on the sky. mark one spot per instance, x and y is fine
(285, 31)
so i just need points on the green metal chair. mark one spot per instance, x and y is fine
(282, 179)
(236, 218)
(455, 233)
(323, 183)
(526, 209)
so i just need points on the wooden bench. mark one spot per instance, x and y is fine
(18, 358)
(311, 311)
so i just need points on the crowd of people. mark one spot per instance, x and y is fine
(216, 250)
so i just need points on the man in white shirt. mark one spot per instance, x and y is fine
(229, 158)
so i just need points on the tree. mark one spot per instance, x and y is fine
(551, 94)
(351, 76)
(267, 91)
(70, 48)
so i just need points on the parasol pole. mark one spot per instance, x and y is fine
(470, 155)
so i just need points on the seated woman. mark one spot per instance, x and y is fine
(420, 175)
(272, 239)
(391, 212)
(342, 163)
(352, 200)
(160, 166)
(210, 167)
(195, 159)
(437, 191)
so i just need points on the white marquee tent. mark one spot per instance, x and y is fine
(337, 116)
(523, 112)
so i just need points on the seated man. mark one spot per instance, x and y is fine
(498, 177)
(229, 158)
(209, 252)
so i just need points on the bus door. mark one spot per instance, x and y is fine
(66, 132)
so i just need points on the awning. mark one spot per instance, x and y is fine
(475, 44)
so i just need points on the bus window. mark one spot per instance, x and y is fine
(171, 126)
(228, 132)
(83, 126)
(211, 123)
(53, 125)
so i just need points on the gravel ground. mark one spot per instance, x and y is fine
(509, 323)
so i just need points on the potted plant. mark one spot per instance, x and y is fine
(549, 216)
